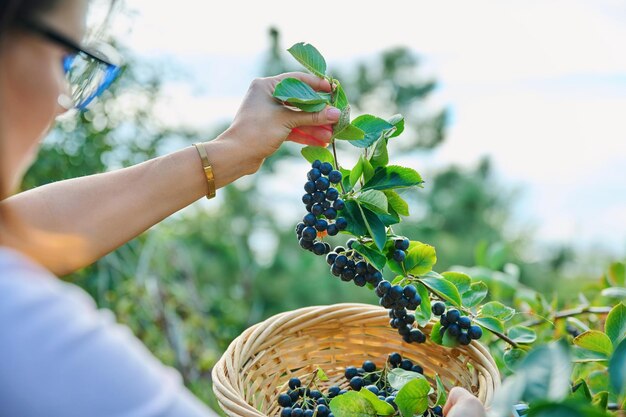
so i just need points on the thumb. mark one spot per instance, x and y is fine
(330, 115)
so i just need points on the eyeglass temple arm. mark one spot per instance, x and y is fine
(50, 34)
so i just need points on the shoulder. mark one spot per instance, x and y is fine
(61, 356)
(25, 284)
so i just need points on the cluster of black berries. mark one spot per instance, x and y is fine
(322, 204)
(398, 299)
(349, 265)
(456, 325)
(301, 401)
(395, 360)
(399, 251)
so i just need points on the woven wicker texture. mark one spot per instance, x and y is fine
(255, 368)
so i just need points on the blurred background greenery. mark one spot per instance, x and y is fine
(190, 285)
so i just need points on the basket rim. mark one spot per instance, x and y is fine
(227, 389)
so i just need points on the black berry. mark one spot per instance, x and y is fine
(334, 176)
(438, 308)
(399, 255)
(294, 383)
(326, 167)
(402, 244)
(475, 332)
(313, 174)
(284, 400)
(338, 204)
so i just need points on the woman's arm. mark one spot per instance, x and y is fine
(90, 216)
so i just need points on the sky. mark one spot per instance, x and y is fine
(538, 86)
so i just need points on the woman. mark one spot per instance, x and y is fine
(60, 356)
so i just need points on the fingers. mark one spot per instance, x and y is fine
(326, 117)
(310, 135)
(462, 402)
(316, 83)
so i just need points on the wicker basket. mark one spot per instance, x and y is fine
(255, 368)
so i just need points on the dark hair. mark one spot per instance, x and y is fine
(12, 10)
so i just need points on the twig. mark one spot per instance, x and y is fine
(570, 313)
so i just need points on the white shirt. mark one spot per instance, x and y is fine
(62, 357)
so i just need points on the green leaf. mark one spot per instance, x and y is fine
(435, 333)
(380, 157)
(372, 255)
(398, 121)
(490, 323)
(599, 381)
(393, 176)
(521, 334)
(617, 274)
(498, 310)
(307, 55)
(356, 172)
(509, 394)
(311, 153)
(580, 355)
(374, 226)
(321, 375)
(352, 404)
(374, 128)
(420, 258)
(368, 170)
(389, 219)
(614, 292)
(601, 399)
(595, 341)
(477, 293)
(449, 341)
(344, 120)
(399, 377)
(460, 280)
(350, 132)
(442, 395)
(345, 181)
(444, 289)
(424, 312)
(356, 224)
(413, 398)
(383, 408)
(580, 391)
(617, 368)
(547, 371)
(512, 357)
(295, 91)
(397, 280)
(615, 325)
(341, 101)
(397, 203)
(569, 408)
(374, 200)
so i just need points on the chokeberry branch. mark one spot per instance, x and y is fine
(498, 334)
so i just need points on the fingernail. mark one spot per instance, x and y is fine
(333, 114)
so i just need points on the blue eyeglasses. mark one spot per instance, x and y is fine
(89, 70)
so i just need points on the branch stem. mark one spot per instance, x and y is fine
(571, 313)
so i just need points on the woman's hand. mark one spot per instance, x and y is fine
(262, 123)
(463, 404)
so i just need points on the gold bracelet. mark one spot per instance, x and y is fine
(208, 170)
